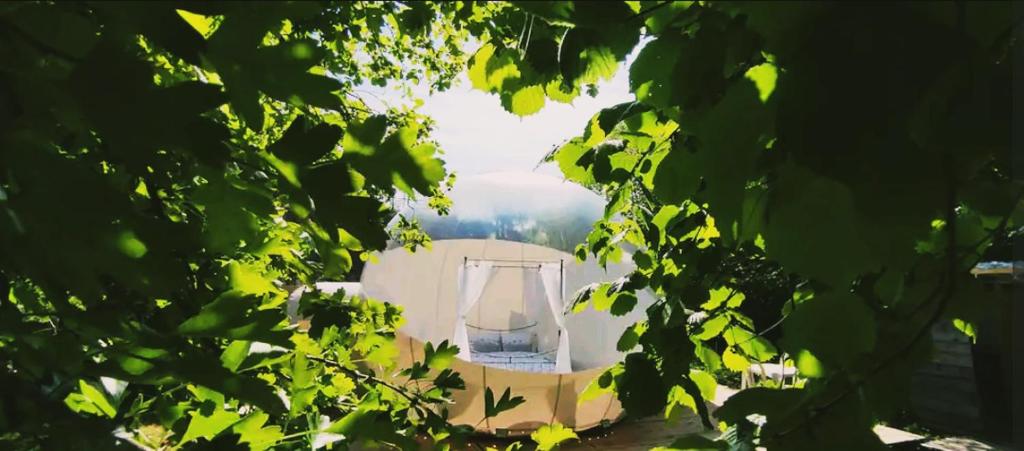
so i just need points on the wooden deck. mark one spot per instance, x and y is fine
(647, 433)
(644, 434)
(638, 435)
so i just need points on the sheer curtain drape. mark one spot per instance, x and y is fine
(551, 277)
(472, 280)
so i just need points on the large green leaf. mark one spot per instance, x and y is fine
(836, 328)
(640, 388)
(717, 163)
(506, 402)
(549, 436)
(817, 221)
(303, 144)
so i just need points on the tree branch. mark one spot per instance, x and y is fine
(650, 10)
(414, 399)
(39, 45)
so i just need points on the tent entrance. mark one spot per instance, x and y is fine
(519, 320)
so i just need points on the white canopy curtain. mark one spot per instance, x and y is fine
(551, 277)
(472, 281)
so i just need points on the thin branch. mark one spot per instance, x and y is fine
(367, 378)
(519, 41)
(650, 10)
(766, 330)
(529, 35)
(40, 45)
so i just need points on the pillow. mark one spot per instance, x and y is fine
(519, 341)
(485, 341)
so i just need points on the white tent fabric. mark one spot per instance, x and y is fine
(472, 281)
(426, 285)
(551, 277)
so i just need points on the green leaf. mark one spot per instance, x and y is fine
(490, 67)
(360, 216)
(366, 136)
(640, 388)
(734, 361)
(525, 101)
(753, 346)
(378, 349)
(235, 354)
(550, 436)
(232, 213)
(554, 11)
(336, 259)
(824, 213)
(721, 295)
(234, 315)
(966, 328)
(208, 372)
(836, 328)
(706, 383)
(711, 360)
(301, 400)
(766, 401)
(600, 297)
(567, 157)
(208, 425)
(630, 337)
(304, 144)
(98, 398)
(506, 402)
(441, 357)
(449, 380)
(583, 58)
(247, 279)
(623, 304)
(712, 327)
(788, 410)
(62, 30)
(657, 21)
(764, 77)
(228, 311)
(609, 117)
(351, 422)
(715, 165)
(251, 430)
(397, 161)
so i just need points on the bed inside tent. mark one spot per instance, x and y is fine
(497, 281)
(521, 325)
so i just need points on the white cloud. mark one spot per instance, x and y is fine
(479, 136)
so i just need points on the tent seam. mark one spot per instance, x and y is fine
(558, 397)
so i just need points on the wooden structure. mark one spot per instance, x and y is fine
(944, 392)
(967, 387)
(646, 433)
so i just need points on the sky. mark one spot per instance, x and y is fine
(478, 136)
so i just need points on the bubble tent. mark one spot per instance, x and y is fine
(497, 281)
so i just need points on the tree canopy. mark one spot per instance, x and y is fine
(168, 171)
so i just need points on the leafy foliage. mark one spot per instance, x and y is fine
(506, 402)
(549, 436)
(170, 171)
(851, 162)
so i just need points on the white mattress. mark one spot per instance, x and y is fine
(502, 341)
(532, 362)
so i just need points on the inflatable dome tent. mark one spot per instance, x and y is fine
(497, 281)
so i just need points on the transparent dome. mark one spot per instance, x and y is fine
(514, 206)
